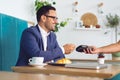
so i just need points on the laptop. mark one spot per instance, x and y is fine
(87, 65)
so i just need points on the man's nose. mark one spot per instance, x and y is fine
(56, 21)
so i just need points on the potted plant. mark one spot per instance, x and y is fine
(113, 22)
(39, 4)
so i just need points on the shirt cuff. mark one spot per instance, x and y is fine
(62, 49)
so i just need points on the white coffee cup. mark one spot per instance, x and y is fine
(36, 60)
(101, 60)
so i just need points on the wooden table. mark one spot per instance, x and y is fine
(28, 76)
(109, 72)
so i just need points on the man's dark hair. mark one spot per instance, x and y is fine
(43, 11)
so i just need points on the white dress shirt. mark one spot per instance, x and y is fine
(44, 38)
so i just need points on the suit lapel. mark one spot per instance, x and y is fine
(48, 42)
(40, 37)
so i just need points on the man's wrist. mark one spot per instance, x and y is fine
(62, 49)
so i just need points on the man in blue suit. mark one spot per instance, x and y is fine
(40, 40)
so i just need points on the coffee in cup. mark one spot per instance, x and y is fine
(36, 60)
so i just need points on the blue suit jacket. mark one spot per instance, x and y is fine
(31, 45)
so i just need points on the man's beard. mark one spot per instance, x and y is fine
(53, 29)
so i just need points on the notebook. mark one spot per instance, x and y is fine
(87, 65)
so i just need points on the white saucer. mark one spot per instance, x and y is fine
(37, 65)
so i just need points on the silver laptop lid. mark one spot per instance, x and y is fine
(87, 65)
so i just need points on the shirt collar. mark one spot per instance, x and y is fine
(43, 32)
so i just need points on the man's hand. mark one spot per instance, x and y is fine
(69, 48)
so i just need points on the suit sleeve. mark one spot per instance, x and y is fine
(32, 45)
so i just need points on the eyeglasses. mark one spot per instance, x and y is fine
(53, 17)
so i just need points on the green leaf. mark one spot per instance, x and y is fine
(63, 23)
(113, 20)
(39, 4)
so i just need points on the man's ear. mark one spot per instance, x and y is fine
(43, 18)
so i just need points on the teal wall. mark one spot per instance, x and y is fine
(0, 44)
(10, 33)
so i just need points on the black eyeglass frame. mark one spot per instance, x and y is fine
(53, 17)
